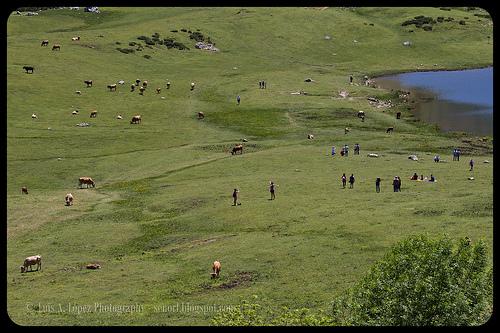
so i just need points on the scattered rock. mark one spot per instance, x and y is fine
(309, 80)
(470, 178)
(328, 37)
(205, 46)
(83, 125)
(372, 155)
(486, 161)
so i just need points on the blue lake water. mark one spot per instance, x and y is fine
(454, 100)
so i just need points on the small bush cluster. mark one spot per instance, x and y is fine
(147, 56)
(445, 8)
(168, 42)
(461, 22)
(419, 21)
(197, 36)
(126, 51)
(483, 15)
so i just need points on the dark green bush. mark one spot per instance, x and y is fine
(197, 36)
(142, 37)
(184, 30)
(147, 56)
(117, 43)
(422, 282)
(461, 22)
(427, 28)
(132, 44)
(126, 51)
(174, 30)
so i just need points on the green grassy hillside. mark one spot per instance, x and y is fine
(161, 212)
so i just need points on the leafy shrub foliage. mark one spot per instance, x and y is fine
(422, 282)
(252, 314)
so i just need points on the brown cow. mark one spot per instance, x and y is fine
(216, 269)
(86, 180)
(136, 119)
(69, 199)
(93, 114)
(112, 87)
(201, 115)
(24, 190)
(236, 149)
(56, 47)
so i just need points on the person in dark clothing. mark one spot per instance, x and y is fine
(351, 181)
(458, 154)
(235, 196)
(350, 79)
(399, 184)
(344, 180)
(377, 185)
(238, 99)
(260, 84)
(471, 163)
(395, 184)
(414, 177)
(271, 189)
(454, 154)
(356, 149)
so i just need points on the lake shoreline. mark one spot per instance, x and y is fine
(446, 111)
(389, 72)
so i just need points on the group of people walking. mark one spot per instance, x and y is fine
(344, 151)
(351, 181)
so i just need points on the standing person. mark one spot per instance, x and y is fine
(271, 189)
(350, 79)
(399, 184)
(471, 163)
(395, 184)
(454, 154)
(344, 180)
(377, 184)
(260, 84)
(264, 84)
(356, 149)
(351, 181)
(436, 158)
(458, 154)
(238, 99)
(168, 84)
(235, 196)
(346, 148)
(333, 150)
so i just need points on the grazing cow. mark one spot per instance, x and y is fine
(93, 266)
(88, 82)
(347, 130)
(390, 130)
(93, 114)
(74, 112)
(398, 115)
(158, 90)
(137, 82)
(86, 180)
(75, 38)
(24, 190)
(28, 68)
(141, 90)
(56, 47)
(69, 199)
(30, 261)
(119, 117)
(132, 88)
(361, 114)
(112, 87)
(45, 42)
(310, 136)
(201, 115)
(236, 149)
(33, 116)
(78, 92)
(136, 119)
(145, 83)
(192, 85)
(216, 269)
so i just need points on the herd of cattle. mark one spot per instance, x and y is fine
(136, 119)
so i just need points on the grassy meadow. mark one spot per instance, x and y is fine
(161, 211)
